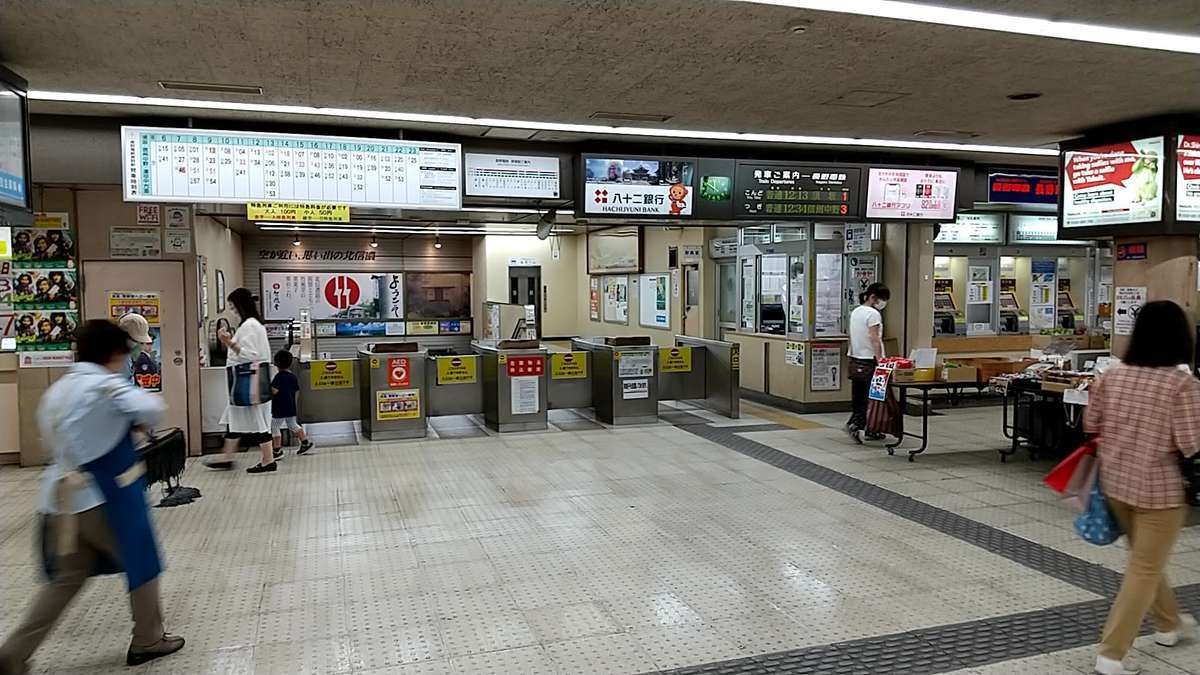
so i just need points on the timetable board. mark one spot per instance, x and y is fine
(193, 165)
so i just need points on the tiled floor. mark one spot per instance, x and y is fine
(610, 550)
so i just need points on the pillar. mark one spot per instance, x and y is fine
(1168, 272)
(908, 273)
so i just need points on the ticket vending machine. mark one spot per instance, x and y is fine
(948, 319)
(1013, 319)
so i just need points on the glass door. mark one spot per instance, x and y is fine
(727, 295)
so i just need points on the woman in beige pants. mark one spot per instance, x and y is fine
(1146, 412)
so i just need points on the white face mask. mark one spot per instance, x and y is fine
(881, 304)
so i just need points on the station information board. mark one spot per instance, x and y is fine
(526, 176)
(770, 190)
(911, 194)
(194, 165)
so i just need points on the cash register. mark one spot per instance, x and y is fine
(947, 318)
(1013, 319)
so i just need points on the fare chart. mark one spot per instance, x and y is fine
(192, 165)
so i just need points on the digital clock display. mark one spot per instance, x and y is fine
(772, 190)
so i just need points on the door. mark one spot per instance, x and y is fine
(524, 288)
(165, 278)
(727, 298)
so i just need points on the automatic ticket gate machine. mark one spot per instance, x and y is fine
(624, 378)
(392, 390)
(514, 384)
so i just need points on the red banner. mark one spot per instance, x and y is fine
(1106, 164)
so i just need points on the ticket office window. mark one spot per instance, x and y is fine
(773, 294)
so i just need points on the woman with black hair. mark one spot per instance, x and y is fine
(866, 348)
(249, 345)
(1146, 414)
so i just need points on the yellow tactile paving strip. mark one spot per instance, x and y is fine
(779, 416)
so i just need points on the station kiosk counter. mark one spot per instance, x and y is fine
(514, 384)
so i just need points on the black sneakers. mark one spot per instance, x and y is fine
(305, 447)
(278, 453)
(259, 468)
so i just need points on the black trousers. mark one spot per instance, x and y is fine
(858, 400)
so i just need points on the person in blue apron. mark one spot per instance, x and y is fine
(94, 518)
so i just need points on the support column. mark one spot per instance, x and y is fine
(908, 272)
(1168, 273)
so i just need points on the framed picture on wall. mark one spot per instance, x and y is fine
(615, 250)
(616, 299)
(654, 301)
(220, 291)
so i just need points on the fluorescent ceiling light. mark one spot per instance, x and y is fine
(1004, 23)
(513, 209)
(351, 114)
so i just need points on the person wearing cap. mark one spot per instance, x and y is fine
(138, 330)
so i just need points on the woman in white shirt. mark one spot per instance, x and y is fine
(866, 348)
(252, 422)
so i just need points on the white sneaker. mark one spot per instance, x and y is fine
(1186, 630)
(1107, 666)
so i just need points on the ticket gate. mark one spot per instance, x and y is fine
(392, 391)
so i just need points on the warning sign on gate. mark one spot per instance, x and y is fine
(675, 360)
(331, 374)
(456, 370)
(399, 372)
(568, 365)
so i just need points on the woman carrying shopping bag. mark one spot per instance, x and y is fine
(248, 370)
(1146, 413)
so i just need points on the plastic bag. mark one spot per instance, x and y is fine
(1097, 525)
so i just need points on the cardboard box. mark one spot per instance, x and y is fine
(966, 374)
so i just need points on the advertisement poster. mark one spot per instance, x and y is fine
(360, 328)
(635, 364)
(793, 353)
(568, 365)
(403, 404)
(877, 391)
(616, 299)
(594, 298)
(1187, 178)
(635, 389)
(457, 369)
(147, 304)
(134, 242)
(825, 366)
(675, 360)
(911, 194)
(638, 187)
(399, 372)
(331, 374)
(1113, 184)
(653, 307)
(44, 289)
(147, 365)
(423, 328)
(45, 331)
(524, 394)
(327, 295)
(43, 247)
(864, 271)
(1129, 301)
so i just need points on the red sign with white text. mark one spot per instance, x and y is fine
(1116, 184)
(1187, 179)
(399, 372)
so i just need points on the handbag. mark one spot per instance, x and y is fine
(249, 383)
(1060, 476)
(1096, 525)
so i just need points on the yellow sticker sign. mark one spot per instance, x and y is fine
(675, 360)
(402, 404)
(735, 359)
(457, 370)
(503, 359)
(331, 374)
(293, 212)
(374, 362)
(422, 328)
(568, 365)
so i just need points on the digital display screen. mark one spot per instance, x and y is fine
(779, 191)
(638, 186)
(1008, 188)
(12, 148)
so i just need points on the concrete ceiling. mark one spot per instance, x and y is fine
(709, 64)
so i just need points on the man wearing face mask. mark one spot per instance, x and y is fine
(138, 330)
(866, 348)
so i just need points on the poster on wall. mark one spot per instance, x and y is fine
(525, 391)
(638, 186)
(1042, 298)
(911, 194)
(41, 288)
(825, 366)
(1129, 301)
(135, 242)
(1187, 178)
(793, 353)
(177, 242)
(50, 245)
(147, 363)
(614, 250)
(858, 238)
(41, 292)
(1115, 184)
(616, 299)
(654, 301)
(331, 295)
(148, 304)
(594, 298)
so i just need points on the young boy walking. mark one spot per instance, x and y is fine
(284, 388)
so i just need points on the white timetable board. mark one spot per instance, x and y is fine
(511, 176)
(195, 165)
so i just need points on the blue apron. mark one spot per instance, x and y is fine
(128, 517)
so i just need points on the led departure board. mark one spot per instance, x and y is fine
(772, 190)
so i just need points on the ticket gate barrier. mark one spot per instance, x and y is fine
(719, 366)
(329, 390)
(570, 384)
(392, 391)
(514, 386)
(454, 385)
(624, 386)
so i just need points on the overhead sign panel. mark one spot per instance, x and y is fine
(1029, 228)
(526, 176)
(1115, 184)
(1013, 188)
(911, 194)
(638, 186)
(973, 228)
(774, 191)
(194, 165)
